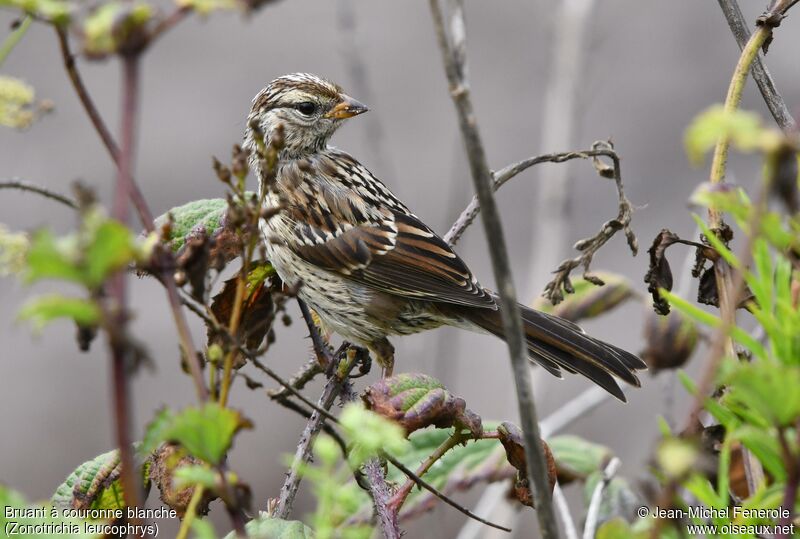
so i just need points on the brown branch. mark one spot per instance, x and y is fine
(453, 54)
(321, 349)
(381, 494)
(553, 290)
(46, 192)
(118, 343)
(774, 101)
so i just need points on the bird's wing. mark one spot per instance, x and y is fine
(375, 241)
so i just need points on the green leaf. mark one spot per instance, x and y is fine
(206, 432)
(577, 458)
(42, 310)
(95, 484)
(764, 446)
(208, 215)
(112, 24)
(111, 247)
(744, 130)
(49, 258)
(617, 528)
(676, 457)
(203, 529)
(768, 390)
(265, 527)
(702, 489)
(590, 300)
(56, 11)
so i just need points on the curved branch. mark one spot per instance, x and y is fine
(46, 192)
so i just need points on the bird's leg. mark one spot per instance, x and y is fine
(384, 355)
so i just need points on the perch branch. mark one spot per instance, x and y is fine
(453, 55)
(775, 103)
(22, 185)
(381, 494)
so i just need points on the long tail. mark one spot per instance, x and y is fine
(555, 344)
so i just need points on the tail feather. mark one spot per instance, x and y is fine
(556, 344)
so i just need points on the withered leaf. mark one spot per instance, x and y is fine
(708, 293)
(163, 463)
(511, 437)
(417, 401)
(659, 274)
(257, 309)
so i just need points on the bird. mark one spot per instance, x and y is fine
(368, 267)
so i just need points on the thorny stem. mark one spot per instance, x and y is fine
(116, 329)
(400, 496)
(512, 324)
(380, 492)
(191, 512)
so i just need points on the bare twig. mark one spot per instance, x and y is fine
(507, 173)
(563, 510)
(553, 291)
(593, 512)
(512, 324)
(22, 185)
(321, 349)
(773, 99)
(310, 370)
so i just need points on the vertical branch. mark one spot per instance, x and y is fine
(775, 103)
(512, 324)
(379, 490)
(120, 350)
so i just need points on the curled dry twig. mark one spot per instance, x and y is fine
(553, 291)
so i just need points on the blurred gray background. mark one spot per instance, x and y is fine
(649, 68)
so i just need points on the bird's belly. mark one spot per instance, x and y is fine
(354, 311)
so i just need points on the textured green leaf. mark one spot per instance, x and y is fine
(95, 484)
(265, 527)
(208, 215)
(42, 310)
(416, 401)
(577, 458)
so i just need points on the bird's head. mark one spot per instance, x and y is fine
(309, 107)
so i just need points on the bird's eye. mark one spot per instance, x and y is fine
(306, 108)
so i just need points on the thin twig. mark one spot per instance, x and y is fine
(321, 349)
(563, 510)
(454, 65)
(309, 371)
(593, 513)
(120, 348)
(12, 40)
(553, 290)
(775, 103)
(22, 185)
